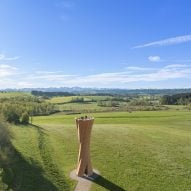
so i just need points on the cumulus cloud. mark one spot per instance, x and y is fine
(154, 58)
(167, 42)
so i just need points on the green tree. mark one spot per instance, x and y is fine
(11, 115)
(25, 118)
(4, 141)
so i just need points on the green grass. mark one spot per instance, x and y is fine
(39, 148)
(66, 99)
(12, 94)
(88, 107)
(177, 107)
(133, 151)
(64, 104)
(61, 99)
(139, 117)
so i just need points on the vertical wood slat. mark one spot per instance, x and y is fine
(84, 127)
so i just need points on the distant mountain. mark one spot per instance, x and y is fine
(79, 90)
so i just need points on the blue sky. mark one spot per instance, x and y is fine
(95, 43)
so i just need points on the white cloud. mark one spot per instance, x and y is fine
(177, 66)
(154, 58)
(25, 84)
(51, 77)
(46, 72)
(166, 42)
(4, 58)
(126, 78)
(152, 75)
(129, 75)
(6, 70)
(135, 69)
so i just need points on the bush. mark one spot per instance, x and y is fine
(4, 134)
(12, 108)
(11, 115)
(4, 142)
(25, 118)
(77, 100)
(140, 102)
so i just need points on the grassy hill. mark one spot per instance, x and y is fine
(133, 151)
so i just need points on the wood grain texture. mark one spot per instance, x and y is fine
(84, 127)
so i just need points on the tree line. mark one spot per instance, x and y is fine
(177, 99)
(51, 94)
(20, 108)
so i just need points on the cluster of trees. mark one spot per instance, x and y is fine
(116, 101)
(140, 102)
(108, 103)
(19, 109)
(51, 94)
(77, 100)
(177, 99)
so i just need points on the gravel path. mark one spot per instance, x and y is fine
(84, 183)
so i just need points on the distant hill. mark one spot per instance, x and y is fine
(82, 91)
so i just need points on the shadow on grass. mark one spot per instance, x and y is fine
(21, 175)
(103, 182)
(51, 168)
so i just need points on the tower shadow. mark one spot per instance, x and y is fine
(105, 183)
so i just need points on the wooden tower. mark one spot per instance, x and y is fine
(84, 127)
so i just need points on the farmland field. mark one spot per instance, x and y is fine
(132, 151)
(62, 99)
(89, 104)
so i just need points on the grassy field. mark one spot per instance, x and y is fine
(133, 151)
(64, 99)
(82, 107)
(12, 94)
(89, 104)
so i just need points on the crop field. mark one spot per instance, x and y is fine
(133, 151)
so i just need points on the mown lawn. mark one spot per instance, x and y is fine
(138, 117)
(133, 151)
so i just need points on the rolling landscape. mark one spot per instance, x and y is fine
(137, 143)
(95, 95)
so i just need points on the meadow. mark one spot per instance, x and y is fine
(133, 151)
(89, 104)
(105, 103)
